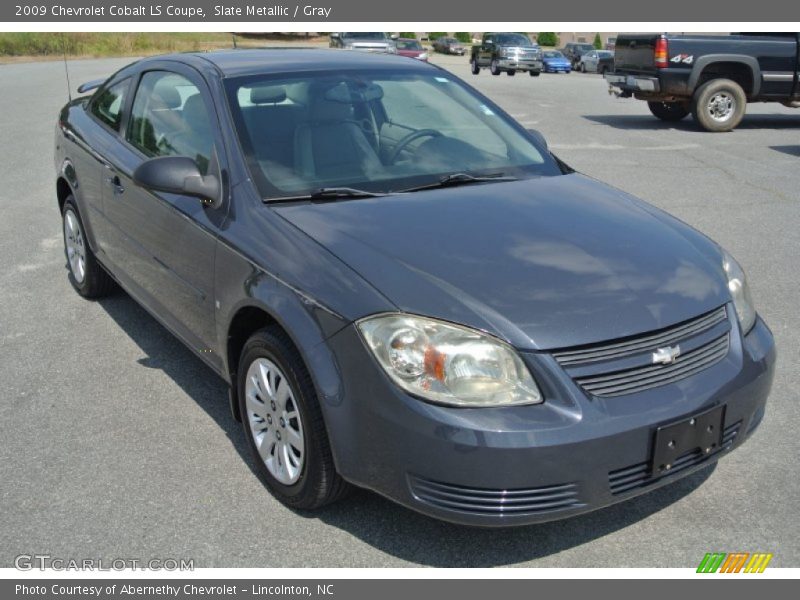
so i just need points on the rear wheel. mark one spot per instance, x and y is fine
(669, 111)
(475, 68)
(283, 423)
(85, 274)
(719, 105)
(494, 68)
(534, 73)
(511, 73)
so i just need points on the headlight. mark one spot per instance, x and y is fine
(448, 364)
(740, 292)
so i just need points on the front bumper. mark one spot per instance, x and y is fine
(521, 465)
(519, 64)
(558, 68)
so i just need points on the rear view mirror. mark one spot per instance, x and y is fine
(177, 175)
(538, 137)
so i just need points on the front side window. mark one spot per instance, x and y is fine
(382, 131)
(107, 107)
(169, 118)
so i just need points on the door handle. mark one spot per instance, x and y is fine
(116, 184)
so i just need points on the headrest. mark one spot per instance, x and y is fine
(194, 111)
(168, 96)
(268, 94)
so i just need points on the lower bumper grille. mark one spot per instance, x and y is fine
(638, 475)
(496, 502)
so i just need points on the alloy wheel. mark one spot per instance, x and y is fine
(74, 242)
(721, 106)
(275, 421)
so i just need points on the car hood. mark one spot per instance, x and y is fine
(543, 263)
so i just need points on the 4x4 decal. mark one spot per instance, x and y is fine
(686, 59)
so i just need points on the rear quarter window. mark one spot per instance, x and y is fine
(107, 106)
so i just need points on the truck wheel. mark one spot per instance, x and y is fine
(475, 68)
(534, 73)
(511, 73)
(494, 69)
(719, 105)
(669, 111)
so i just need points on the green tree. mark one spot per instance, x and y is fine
(547, 38)
(464, 37)
(435, 35)
(410, 35)
(598, 43)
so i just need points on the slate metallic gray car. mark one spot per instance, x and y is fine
(405, 290)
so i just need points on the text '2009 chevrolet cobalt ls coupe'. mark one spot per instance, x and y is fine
(404, 289)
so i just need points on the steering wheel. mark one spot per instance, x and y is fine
(414, 135)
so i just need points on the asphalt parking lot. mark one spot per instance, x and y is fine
(117, 442)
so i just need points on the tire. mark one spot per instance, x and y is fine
(669, 111)
(313, 482)
(534, 73)
(475, 68)
(494, 69)
(511, 73)
(719, 105)
(86, 275)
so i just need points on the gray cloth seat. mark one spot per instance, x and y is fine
(331, 145)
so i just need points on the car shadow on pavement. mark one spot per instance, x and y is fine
(791, 150)
(647, 122)
(384, 525)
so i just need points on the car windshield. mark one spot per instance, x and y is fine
(408, 45)
(512, 39)
(553, 54)
(361, 35)
(378, 131)
(584, 47)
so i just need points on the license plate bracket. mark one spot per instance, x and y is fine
(702, 431)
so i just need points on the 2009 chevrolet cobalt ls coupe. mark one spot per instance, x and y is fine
(405, 290)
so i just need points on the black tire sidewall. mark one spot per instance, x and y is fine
(91, 267)
(494, 69)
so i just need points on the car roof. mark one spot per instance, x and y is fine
(235, 63)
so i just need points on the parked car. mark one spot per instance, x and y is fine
(574, 50)
(449, 45)
(506, 52)
(712, 77)
(596, 61)
(364, 41)
(411, 48)
(435, 309)
(555, 62)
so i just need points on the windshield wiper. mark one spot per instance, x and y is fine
(454, 179)
(328, 193)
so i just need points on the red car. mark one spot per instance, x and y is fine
(411, 48)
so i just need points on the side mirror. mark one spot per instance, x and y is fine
(537, 136)
(394, 36)
(177, 175)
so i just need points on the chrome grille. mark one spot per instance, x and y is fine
(627, 366)
(643, 378)
(632, 346)
(496, 502)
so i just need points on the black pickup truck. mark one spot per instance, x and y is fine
(509, 52)
(711, 76)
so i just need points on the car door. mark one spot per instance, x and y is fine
(486, 50)
(170, 239)
(590, 58)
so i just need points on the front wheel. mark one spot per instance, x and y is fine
(85, 274)
(511, 73)
(534, 73)
(719, 105)
(669, 111)
(283, 423)
(494, 68)
(474, 65)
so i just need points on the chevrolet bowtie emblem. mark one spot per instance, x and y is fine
(665, 356)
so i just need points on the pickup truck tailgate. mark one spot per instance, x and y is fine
(635, 53)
